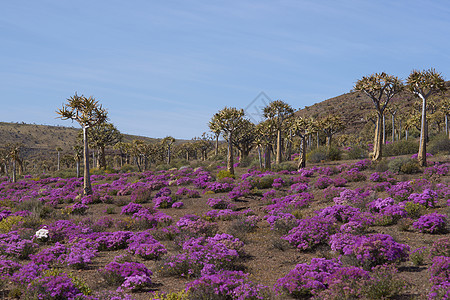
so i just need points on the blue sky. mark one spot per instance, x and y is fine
(165, 67)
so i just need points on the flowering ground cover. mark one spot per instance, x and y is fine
(330, 231)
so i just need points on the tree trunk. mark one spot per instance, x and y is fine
(302, 156)
(216, 150)
(87, 180)
(14, 178)
(393, 128)
(329, 136)
(267, 162)
(230, 161)
(168, 154)
(278, 158)
(377, 142)
(102, 158)
(422, 155)
(384, 130)
(259, 156)
(78, 168)
(317, 135)
(446, 126)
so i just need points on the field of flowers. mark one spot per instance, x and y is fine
(341, 231)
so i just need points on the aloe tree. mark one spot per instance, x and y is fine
(13, 153)
(214, 127)
(103, 135)
(330, 125)
(423, 84)
(380, 88)
(278, 112)
(244, 138)
(87, 112)
(393, 109)
(300, 126)
(168, 141)
(228, 121)
(78, 154)
(265, 137)
(445, 107)
(58, 150)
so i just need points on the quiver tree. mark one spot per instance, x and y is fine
(167, 142)
(265, 137)
(445, 107)
(58, 150)
(393, 109)
(228, 121)
(103, 135)
(87, 112)
(330, 125)
(423, 84)
(13, 153)
(278, 112)
(136, 150)
(244, 138)
(202, 143)
(78, 154)
(215, 128)
(300, 128)
(380, 87)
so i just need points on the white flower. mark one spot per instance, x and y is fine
(42, 233)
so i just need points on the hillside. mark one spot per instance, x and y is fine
(355, 106)
(39, 139)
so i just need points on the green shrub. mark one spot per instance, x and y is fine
(414, 210)
(66, 173)
(402, 147)
(386, 283)
(317, 155)
(440, 144)
(224, 174)
(128, 168)
(182, 295)
(6, 224)
(410, 167)
(334, 153)
(289, 166)
(357, 152)
(417, 256)
(403, 165)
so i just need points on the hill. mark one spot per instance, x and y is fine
(355, 106)
(41, 139)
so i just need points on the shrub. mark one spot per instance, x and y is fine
(226, 285)
(317, 155)
(402, 147)
(141, 195)
(357, 153)
(403, 165)
(417, 256)
(115, 273)
(306, 280)
(378, 249)
(284, 166)
(224, 174)
(440, 247)
(439, 144)
(431, 223)
(385, 283)
(334, 154)
(414, 210)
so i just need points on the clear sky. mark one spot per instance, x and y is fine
(165, 67)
